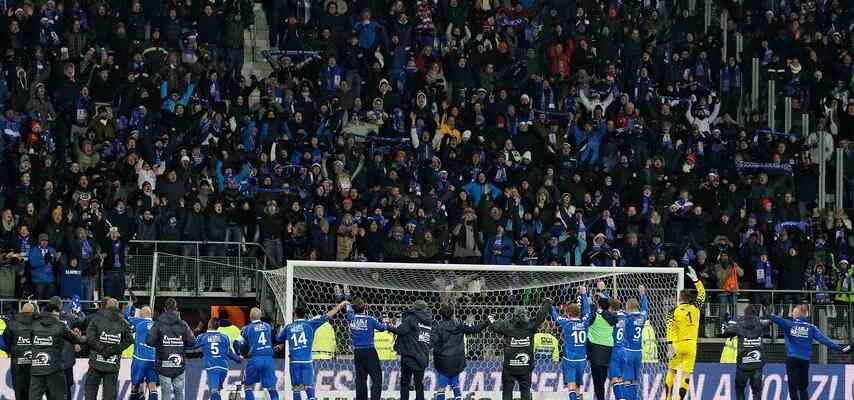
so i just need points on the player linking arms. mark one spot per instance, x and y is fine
(300, 337)
(799, 336)
(216, 351)
(636, 316)
(449, 355)
(682, 329)
(256, 343)
(574, 328)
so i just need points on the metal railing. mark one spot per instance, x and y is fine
(194, 268)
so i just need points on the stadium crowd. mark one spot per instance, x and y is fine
(503, 132)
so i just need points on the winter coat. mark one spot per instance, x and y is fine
(413, 339)
(41, 265)
(518, 343)
(108, 335)
(48, 337)
(169, 335)
(750, 350)
(18, 336)
(449, 352)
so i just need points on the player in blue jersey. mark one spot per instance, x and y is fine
(142, 367)
(216, 351)
(615, 367)
(256, 344)
(574, 328)
(799, 335)
(299, 336)
(637, 313)
(365, 358)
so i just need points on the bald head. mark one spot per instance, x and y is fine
(145, 312)
(255, 314)
(28, 307)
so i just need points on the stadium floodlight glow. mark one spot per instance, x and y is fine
(476, 291)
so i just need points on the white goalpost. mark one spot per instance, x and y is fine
(477, 291)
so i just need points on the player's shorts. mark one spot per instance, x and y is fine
(143, 371)
(615, 366)
(573, 372)
(632, 365)
(261, 370)
(216, 378)
(302, 374)
(686, 356)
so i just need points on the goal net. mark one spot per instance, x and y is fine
(476, 291)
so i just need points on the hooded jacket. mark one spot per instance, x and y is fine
(413, 338)
(749, 331)
(49, 336)
(449, 351)
(169, 335)
(18, 336)
(518, 343)
(72, 320)
(108, 336)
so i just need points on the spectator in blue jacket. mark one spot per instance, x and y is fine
(499, 249)
(42, 259)
(368, 30)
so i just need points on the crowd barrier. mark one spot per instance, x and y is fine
(481, 381)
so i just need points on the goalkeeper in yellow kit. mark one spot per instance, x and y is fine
(682, 329)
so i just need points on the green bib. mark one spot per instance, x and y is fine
(601, 332)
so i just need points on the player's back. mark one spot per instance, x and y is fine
(634, 330)
(141, 326)
(257, 339)
(685, 324)
(635, 322)
(215, 349)
(574, 338)
(300, 337)
(619, 331)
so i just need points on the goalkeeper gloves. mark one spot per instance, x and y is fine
(692, 274)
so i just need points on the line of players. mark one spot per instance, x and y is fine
(256, 343)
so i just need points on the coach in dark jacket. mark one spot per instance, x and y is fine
(74, 319)
(169, 336)
(518, 346)
(49, 335)
(751, 356)
(108, 336)
(449, 349)
(18, 336)
(413, 345)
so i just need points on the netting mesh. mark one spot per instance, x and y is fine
(476, 294)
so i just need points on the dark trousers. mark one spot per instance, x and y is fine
(95, 378)
(798, 372)
(20, 379)
(367, 363)
(114, 284)
(44, 291)
(509, 380)
(600, 375)
(51, 385)
(407, 374)
(69, 383)
(751, 377)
